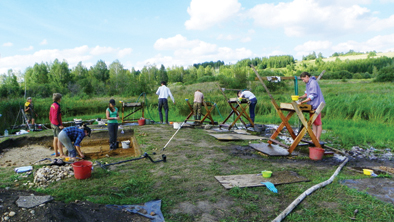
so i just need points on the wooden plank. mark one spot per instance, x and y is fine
(302, 107)
(271, 150)
(254, 180)
(279, 143)
(231, 137)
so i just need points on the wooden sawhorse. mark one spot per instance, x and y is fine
(207, 115)
(242, 105)
(136, 106)
(299, 110)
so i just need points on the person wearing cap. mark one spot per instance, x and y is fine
(55, 117)
(112, 123)
(252, 102)
(163, 91)
(73, 134)
(29, 112)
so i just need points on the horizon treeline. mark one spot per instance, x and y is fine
(43, 79)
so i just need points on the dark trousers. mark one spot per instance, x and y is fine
(163, 103)
(113, 134)
(252, 107)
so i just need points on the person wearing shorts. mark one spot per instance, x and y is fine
(313, 96)
(71, 137)
(55, 117)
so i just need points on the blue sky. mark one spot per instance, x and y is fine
(171, 32)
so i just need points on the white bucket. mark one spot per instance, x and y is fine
(126, 144)
(176, 125)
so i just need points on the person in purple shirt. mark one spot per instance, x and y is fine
(70, 135)
(313, 96)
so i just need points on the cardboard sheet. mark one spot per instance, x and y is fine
(236, 137)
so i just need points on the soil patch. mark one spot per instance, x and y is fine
(23, 156)
(59, 211)
(381, 188)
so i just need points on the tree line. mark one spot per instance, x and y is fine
(43, 79)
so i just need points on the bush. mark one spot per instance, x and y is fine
(386, 74)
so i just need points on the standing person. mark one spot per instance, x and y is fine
(314, 97)
(29, 112)
(198, 100)
(55, 117)
(252, 100)
(112, 117)
(163, 91)
(73, 134)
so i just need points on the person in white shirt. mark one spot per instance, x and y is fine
(253, 101)
(163, 91)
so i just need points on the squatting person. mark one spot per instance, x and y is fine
(73, 134)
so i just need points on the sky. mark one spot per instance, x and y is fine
(181, 33)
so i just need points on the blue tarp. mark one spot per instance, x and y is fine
(152, 209)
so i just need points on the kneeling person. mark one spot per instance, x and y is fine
(73, 134)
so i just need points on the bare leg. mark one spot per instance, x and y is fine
(59, 147)
(317, 130)
(32, 121)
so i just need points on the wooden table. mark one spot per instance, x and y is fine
(294, 108)
(239, 109)
(207, 114)
(135, 106)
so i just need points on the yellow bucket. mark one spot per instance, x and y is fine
(295, 98)
(367, 172)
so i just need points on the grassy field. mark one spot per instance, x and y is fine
(189, 191)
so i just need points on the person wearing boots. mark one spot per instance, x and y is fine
(198, 100)
(112, 117)
(29, 112)
(163, 91)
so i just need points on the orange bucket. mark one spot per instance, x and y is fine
(316, 153)
(82, 169)
(141, 122)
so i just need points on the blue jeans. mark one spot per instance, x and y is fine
(163, 103)
(252, 107)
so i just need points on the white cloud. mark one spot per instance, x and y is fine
(8, 44)
(28, 48)
(44, 42)
(188, 52)
(85, 54)
(379, 43)
(311, 46)
(175, 42)
(207, 13)
(246, 39)
(124, 52)
(301, 17)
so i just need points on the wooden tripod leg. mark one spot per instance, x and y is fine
(191, 109)
(284, 120)
(280, 127)
(245, 114)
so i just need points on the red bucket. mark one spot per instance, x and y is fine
(141, 122)
(82, 169)
(316, 153)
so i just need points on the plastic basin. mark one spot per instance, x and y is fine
(266, 174)
(294, 97)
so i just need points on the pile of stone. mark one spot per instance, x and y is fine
(371, 153)
(49, 174)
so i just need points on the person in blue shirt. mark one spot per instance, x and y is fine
(163, 91)
(70, 135)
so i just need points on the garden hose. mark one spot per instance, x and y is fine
(146, 102)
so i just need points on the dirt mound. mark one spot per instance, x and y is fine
(59, 211)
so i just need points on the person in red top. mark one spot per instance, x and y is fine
(55, 117)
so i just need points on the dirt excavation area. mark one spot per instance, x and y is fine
(188, 187)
